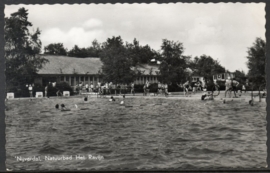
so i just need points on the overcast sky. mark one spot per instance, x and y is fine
(223, 31)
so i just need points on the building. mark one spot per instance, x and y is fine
(75, 70)
(196, 78)
(223, 76)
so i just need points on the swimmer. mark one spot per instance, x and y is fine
(57, 106)
(112, 98)
(205, 94)
(63, 107)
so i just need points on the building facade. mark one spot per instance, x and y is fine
(223, 76)
(87, 70)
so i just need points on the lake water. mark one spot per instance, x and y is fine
(152, 134)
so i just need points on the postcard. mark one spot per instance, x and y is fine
(135, 86)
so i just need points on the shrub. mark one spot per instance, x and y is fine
(174, 88)
(62, 86)
(138, 88)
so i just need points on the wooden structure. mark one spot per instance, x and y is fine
(75, 70)
(223, 76)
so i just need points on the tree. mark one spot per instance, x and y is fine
(173, 65)
(55, 49)
(141, 54)
(206, 66)
(22, 50)
(77, 52)
(116, 62)
(256, 61)
(92, 51)
(240, 76)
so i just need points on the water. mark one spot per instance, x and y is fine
(154, 133)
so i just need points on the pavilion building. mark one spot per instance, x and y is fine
(75, 70)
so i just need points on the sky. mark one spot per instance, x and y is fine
(223, 31)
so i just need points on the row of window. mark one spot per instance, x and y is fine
(223, 76)
(92, 78)
(82, 78)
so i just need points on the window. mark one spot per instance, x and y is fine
(223, 76)
(62, 78)
(67, 78)
(82, 78)
(77, 79)
(86, 78)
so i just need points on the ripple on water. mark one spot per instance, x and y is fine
(169, 133)
(49, 149)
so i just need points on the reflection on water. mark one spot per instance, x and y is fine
(146, 133)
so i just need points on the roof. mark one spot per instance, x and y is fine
(89, 65)
(147, 69)
(70, 65)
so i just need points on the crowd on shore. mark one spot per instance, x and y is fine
(109, 88)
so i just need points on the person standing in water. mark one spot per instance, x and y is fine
(228, 85)
(234, 86)
(186, 86)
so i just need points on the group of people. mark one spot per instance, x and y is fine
(162, 88)
(231, 85)
(105, 88)
(109, 88)
(234, 86)
(193, 86)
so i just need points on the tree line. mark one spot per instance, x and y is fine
(120, 59)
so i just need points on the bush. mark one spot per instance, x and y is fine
(138, 88)
(222, 86)
(19, 91)
(62, 86)
(174, 88)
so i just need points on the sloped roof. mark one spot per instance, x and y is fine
(71, 65)
(147, 69)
